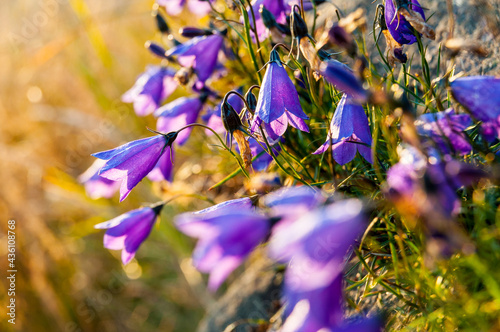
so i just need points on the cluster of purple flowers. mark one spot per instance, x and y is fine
(305, 229)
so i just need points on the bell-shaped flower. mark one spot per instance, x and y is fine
(401, 30)
(349, 133)
(175, 7)
(95, 185)
(227, 233)
(315, 246)
(427, 186)
(200, 54)
(481, 96)
(292, 202)
(131, 162)
(128, 231)
(177, 114)
(446, 130)
(164, 169)
(301, 319)
(278, 103)
(341, 76)
(151, 89)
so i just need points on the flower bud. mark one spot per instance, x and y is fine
(230, 118)
(161, 23)
(251, 101)
(156, 49)
(267, 17)
(299, 27)
(190, 32)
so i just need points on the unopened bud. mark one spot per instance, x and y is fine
(190, 32)
(156, 49)
(299, 26)
(267, 17)
(161, 23)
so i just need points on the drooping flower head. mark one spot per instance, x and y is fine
(177, 114)
(151, 89)
(131, 162)
(200, 54)
(197, 7)
(95, 185)
(481, 96)
(344, 80)
(349, 133)
(446, 130)
(227, 233)
(128, 231)
(401, 30)
(427, 186)
(292, 202)
(278, 103)
(315, 246)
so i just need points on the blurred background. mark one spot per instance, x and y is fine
(64, 66)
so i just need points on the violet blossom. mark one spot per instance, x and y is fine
(177, 114)
(128, 231)
(278, 103)
(175, 7)
(97, 186)
(151, 89)
(164, 168)
(446, 130)
(344, 80)
(400, 29)
(481, 96)
(131, 162)
(200, 53)
(315, 246)
(349, 133)
(227, 233)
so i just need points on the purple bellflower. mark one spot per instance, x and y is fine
(315, 246)
(200, 53)
(349, 131)
(344, 80)
(481, 96)
(177, 114)
(400, 29)
(151, 89)
(164, 169)
(197, 7)
(227, 233)
(95, 185)
(427, 187)
(446, 129)
(289, 203)
(131, 162)
(128, 231)
(278, 103)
